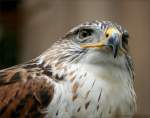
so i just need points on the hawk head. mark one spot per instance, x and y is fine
(91, 42)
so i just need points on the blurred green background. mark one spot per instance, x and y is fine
(28, 27)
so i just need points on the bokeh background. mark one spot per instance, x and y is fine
(28, 27)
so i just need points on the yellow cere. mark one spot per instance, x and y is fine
(111, 30)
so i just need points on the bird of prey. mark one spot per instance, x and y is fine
(88, 73)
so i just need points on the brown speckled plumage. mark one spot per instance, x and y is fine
(88, 73)
(24, 93)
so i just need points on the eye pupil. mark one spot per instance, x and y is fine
(84, 33)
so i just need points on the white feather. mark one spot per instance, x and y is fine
(104, 75)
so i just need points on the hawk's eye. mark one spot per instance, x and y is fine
(85, 33)
(125, 37)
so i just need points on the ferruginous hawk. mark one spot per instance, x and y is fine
(88, 73)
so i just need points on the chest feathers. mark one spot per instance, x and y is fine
(93, 91)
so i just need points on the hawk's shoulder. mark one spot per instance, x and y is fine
(25, 91)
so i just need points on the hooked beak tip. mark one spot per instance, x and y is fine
(115, 50)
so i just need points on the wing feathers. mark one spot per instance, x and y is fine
(22, 94)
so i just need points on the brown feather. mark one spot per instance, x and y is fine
(24, 95)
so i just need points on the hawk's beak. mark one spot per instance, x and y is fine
(111, 39)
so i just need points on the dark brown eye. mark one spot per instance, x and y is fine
(85, 33)
(125, 37)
